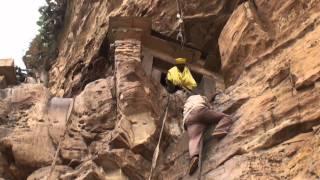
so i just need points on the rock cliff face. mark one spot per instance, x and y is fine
(269, 53)
(84, 43)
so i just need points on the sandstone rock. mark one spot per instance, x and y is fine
(257, 31)
(203, 23)
(93, 114)
(137, 100)
(244, 23)
(24, 129)
(271, 164)
(132, 165)
(73, 147)
(44, 172)
(272, 95)
(44, 125)
(95, 107)
(90, 171)
(283, 107)
(177, 156)
(25, 147)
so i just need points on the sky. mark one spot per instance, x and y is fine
(18, 27)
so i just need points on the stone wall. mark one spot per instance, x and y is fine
(137, 105)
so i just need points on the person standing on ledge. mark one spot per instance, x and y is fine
(180, 77)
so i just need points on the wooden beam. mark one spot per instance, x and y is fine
(7, 69)
(170, 49)
(123, 34)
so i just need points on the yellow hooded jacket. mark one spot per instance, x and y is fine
(183, 79)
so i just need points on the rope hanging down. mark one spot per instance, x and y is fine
(200, 159)
(156, 151)
(180, 36)
(294, 92)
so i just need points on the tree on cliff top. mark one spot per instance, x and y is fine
(43, 47)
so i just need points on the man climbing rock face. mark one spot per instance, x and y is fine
(179, 77)
(197, 116)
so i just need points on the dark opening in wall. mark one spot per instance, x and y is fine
(161, 64)
(104, 48)
(164, 67)
(213, 61)
(163, 79)
(98, 67)
(204, 55)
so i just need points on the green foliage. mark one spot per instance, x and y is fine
(43, 47)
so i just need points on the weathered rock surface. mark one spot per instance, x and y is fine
(33, 124)
(43, 173)
(138, 99)
(83, 48)
(262, 29)
(269, 56)
(93, 114)
(25, 141)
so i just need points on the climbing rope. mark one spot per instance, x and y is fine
(200, 159)
(71, 106)
(294, 91)
(156, 151)
(180, 36)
